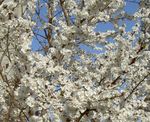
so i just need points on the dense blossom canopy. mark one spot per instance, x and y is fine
(63, 83)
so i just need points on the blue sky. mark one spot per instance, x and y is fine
(131, 7)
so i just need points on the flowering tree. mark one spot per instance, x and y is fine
(55, 86)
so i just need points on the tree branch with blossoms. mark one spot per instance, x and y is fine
(77, 72)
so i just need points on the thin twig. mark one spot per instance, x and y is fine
(136, 87)
(65, 12)
(86, 112)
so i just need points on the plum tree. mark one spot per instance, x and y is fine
(61, 81)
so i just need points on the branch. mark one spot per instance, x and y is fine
(50, 21)
(133, 60)
(112, 97)
(146, 109)
(65, 12)
(82, 4)
(136, 87)
(104, 8)
(1, 1)
(86, 112)
(114, 82)
(7, 44)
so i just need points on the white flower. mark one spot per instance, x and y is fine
(30, 101)
(36, 119)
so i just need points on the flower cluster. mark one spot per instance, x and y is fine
(65, 83)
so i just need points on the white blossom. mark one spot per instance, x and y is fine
(64, 82)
